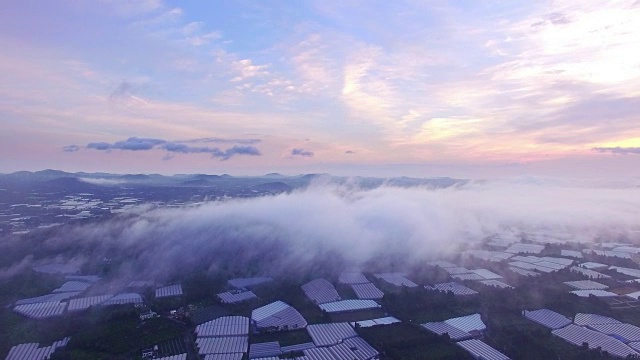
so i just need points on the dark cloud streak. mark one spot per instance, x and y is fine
(301, 152)
(225, 141)
(175, 147)
(71, 148)
(618, 150)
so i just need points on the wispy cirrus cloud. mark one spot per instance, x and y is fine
(132, 143)
(433, 81)
(223, 141)
(71, 148)
(618, 150)
(175, 147)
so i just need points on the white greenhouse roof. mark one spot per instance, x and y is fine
(320, 291)
(354, 348)
(352, 278)
(623, 332)
(467, 277)
(456, 288)
(298, 347)
(278, 315)
(487, 255)
(33, 351)
(558, 260)
(232, 297)
(525, 248)
(571, 253)
(349, 305)
(480, 350)
(367, 291)
(593, 319)
(468, 323)
(174, 357)
(269, 310)
(593, 265)
(456, 270)
(84, 303)
(224, 326)
(530, 266)
(264, 350)
(41, 310)
(248, 282)
(222, 345)
(586, 285)
(589, 273)
(523, 272)
(171, 290)
(124, 298)
(55, 297)
(579, 335)
(330, 334)
(442, 327)
(350, 349)
(496, 283)
(547, 318)
(597, 293)
(622, 270)
(236, 356)
(627, 249)
(85, 278)
(608, 253)
(73, 286)
(397, 279)
(487, 274)
(373, 322)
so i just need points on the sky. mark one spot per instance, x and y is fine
(383, 88)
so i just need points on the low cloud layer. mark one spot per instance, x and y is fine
(177, 147)
(297, 233)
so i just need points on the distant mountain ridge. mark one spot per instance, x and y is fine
(271, 182)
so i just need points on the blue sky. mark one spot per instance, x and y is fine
(421, 88)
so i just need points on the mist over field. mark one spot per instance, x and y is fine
(325, 228)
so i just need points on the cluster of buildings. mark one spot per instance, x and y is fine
(71, 296)
(596, 331)
(606, 271)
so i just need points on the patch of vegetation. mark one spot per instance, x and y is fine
(120, 331)
(285, 338)
(408, 342)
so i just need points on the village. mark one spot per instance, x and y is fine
(503, 299)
